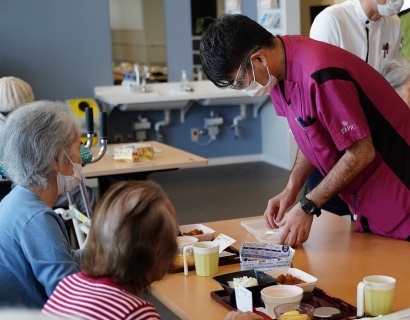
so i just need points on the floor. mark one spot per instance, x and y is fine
(221, 192)
(216, 193)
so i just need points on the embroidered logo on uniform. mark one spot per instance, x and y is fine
(347, 127)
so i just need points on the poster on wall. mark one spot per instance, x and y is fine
(233, 6)
(269, 15)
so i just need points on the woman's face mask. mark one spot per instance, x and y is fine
(255, 89)
(391, 7)
(69, 183)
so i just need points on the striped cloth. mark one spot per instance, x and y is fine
(80, 297)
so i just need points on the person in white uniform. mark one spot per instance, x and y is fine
(368, 28)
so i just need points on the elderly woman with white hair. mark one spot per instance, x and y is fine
(397, 73)
(14, 93)
(41, 155)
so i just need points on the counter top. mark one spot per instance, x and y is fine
(168, 95)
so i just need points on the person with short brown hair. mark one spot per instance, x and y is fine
(132, 243)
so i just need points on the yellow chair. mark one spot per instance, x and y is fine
(78, 106)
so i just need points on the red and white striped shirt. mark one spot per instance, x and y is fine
(80, 297)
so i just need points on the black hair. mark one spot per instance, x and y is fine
(227, 42)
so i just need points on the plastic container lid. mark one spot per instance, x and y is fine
(263, 234)
(255, 226)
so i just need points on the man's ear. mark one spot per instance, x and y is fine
(260, 57)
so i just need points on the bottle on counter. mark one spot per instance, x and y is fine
(199, 74)
(184, 81)
(129, 82)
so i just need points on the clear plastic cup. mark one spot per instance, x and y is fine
(294, 311)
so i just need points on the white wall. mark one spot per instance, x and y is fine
(61, 48)
(278, 145)
(126, 14)
(138, 31)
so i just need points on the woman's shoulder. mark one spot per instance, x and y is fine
(25, 210)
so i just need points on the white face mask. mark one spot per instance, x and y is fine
(255, 89)
(69, 183)
(391, 7)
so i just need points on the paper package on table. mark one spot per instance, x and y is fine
(265, 256)
(133, 153)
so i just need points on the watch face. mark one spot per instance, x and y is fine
(309, 207)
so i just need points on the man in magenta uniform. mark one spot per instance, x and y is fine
(346, 118)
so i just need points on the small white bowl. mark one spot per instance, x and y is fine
(310, 281)
(208, 233)
(185, 241)
(276, 295)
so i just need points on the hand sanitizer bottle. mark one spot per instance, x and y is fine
(184, 81)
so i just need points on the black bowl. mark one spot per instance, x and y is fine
(264, 280)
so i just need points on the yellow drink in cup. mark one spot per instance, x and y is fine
(375, 295)
(206, 264)
(378, 302)
(206, 256)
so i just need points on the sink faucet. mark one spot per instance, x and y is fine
(141, 77)
(144, 77)
(137, 74)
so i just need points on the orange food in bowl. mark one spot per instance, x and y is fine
(194, 232)
(289, 279)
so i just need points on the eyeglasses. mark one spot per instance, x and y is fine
(242, 79)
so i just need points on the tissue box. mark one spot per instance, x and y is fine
(265, 256)
(133, 153)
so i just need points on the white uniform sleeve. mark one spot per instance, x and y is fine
(398, 55)
(325, 28)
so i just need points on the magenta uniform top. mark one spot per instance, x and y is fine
(331, 98)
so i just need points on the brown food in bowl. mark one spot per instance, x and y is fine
(194, 232)
(289, 279)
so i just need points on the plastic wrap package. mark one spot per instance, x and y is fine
(134, 153)
(265, 256)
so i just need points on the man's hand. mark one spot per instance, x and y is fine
(277, 206)
(296, 226)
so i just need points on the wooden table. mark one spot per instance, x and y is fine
(334, 254)
(169, 158)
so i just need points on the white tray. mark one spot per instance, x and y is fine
(310, 281)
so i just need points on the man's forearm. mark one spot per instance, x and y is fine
(356, 158)
(300, 172)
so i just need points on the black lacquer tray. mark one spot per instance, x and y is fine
(317, 298)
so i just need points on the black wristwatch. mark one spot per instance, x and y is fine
(309, 207)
